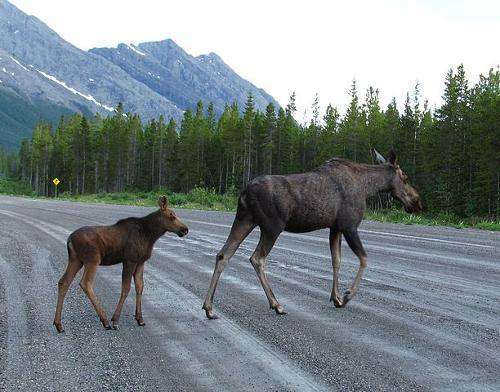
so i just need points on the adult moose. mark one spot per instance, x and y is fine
(129, 241)
(331, 196)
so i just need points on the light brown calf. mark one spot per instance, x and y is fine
(129, 241)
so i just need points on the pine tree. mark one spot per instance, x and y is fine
(268, 139)
(187, 162)
(452, 138)
(25, 164)
(391, 127)
(248, 139)
(135, 136)
(170, 153)
(352, 126)
(311, 143)
(374, 136)
(41, 147)
(485, 146)
(329, 145)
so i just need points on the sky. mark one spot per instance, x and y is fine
(308, 47)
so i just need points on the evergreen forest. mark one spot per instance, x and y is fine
(450, 153)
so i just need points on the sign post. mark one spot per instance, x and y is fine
(56, 182)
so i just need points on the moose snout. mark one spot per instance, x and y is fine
(416, 206)
(182, 232)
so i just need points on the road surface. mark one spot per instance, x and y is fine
(427, 315)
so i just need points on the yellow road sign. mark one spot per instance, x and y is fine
(56, 181)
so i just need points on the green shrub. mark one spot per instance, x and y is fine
(14, 187)
(488, 225)
(177, 199)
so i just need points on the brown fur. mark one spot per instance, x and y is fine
(331, 196)
(129, 241)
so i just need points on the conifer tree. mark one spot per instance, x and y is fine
(248, 139)
(352, 126)
(329, 145)
(42, 145)
(268, 139)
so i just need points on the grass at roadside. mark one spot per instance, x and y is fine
(197, 198)
(442, 219)
(203, 199)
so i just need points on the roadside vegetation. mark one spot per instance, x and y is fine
(14, 187)
(204, 199)
(197, 198)
(395, 215)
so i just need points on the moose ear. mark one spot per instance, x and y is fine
(392, 158)
(378, 157)
(163, 202)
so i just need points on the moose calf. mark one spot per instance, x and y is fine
(129, 241)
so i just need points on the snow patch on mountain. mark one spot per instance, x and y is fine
(88, 97)
(133, 48)
(18, 63)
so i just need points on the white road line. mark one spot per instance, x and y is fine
(206, 223)
(385, 234)
(423, 238)
(56, 232)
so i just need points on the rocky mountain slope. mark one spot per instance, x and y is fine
(43, 76)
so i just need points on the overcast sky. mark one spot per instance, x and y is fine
(307, 46)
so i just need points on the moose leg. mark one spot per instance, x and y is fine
(258, 261)
(139, 286)
(335, 243)
(356, 246)
(239, 231)
(86, 284)
(128, 271)
(73, 267)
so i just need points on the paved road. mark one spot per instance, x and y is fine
(427, 315)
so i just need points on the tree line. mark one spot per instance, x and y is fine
(451, 154)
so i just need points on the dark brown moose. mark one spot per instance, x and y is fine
(331, 196)
(129, 241)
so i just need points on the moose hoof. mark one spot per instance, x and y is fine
(210, 314)
(337, 302)
(59, 327)
(116, 326)
(140, 322)
(335, 298)
(280, 309)
(105, 324)
(347, 297)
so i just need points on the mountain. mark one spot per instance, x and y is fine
(42, 76)
(183, 79)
